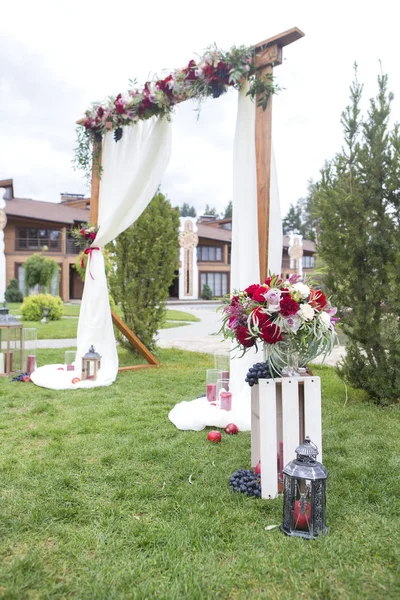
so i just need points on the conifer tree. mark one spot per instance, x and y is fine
(146, 257)
(187, 211)
(357, 203)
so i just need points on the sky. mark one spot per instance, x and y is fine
(58, 57)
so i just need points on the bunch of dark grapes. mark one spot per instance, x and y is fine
(256, 372)
(20, 376)
(117, 134)
(246, 482)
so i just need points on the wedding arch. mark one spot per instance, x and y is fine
(125, 143)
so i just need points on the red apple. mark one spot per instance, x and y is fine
(214, 436)
(26, 378)
(257, 468)
(231, 429)
(60, 369)
(76, 380)
(302, 520)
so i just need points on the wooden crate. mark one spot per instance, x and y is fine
(283, 412)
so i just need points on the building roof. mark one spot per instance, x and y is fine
(214, 233)
(46, 211)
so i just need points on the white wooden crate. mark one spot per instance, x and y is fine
(283, 412)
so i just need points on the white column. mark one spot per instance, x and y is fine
(2, 256)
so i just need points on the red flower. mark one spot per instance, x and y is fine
(82, 231)
(190, 74)
(244, 337)
(271, 333)
(251, 289)
(100, 111)
(208, 71)
(92, 236)
(259, 295)
(317, 299)
(262, 317)
(278, 282)
(235, 300)
(288, 306)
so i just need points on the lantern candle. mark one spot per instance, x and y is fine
(225, 400)
(9, 362)
(302, 515)
(211, 392)
(30, 363)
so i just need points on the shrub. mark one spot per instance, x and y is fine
(13, 293)
(32, 307)
(206, 292)
(40, 270)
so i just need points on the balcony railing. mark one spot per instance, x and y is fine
(67, 246)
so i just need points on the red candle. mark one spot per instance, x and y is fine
(224, 374)
(302, 517)
(31, 363)
(211, 392)
(226, 400)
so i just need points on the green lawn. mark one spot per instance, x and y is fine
(66, 328)
(96, 500)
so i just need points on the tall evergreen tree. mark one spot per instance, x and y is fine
(211, 211)
(301, 217)
(187, 211)
(357, 202)
(228, 211)
(292, 221)
(146, 257)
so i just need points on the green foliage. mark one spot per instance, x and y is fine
(228, 211)
(32, 307)
(40, 270)
(210, 211)
(301, 216)
(358, 204)
(146, 257)
(187, 211)
(13, 293)
(206, 292)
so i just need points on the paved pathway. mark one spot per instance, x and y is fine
(195, 337)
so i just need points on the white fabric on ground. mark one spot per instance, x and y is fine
(198, 414)
(132, 171)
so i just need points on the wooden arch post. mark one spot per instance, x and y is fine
(268, 55)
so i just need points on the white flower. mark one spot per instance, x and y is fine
(302, 288)
(325, 320)
(273, 296)
(274, 308)
(306, 312)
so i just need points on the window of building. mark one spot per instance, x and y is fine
(308, 262)
(36, 239)
(209, 253)
(218, 283)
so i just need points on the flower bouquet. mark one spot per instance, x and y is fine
(294, 322)
(86, 234)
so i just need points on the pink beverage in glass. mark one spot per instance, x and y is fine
(70, 368)
(30, 363)
(211, 392)
(225, 400)
(224, 374)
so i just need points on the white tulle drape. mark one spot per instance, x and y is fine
(132, 171)
(244, 270)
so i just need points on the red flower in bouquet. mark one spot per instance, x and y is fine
(252, 288)
(271, 333)
(288, 306)
(317, 299)
(260, 316)
(244, 337)
(259, 295)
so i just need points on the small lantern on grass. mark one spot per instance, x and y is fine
(304, 500)
(11, 342)
(91, 364)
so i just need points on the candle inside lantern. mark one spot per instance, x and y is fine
(225, 400)
(9, 362)
(30, 363)
(211, 392)
(302, 514)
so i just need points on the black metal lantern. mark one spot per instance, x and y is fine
(91, 364)
(304, 489)
(11, 342)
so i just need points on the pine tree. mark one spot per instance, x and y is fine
(210, 211)
(228, 211)
(357, 202)
(292, 221)
(187, 211)
(146, 257)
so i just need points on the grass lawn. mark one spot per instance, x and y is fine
(96, 500)
(66, 328)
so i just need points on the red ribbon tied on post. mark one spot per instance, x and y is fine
(88, 251)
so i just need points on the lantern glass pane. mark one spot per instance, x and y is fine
(302, 505)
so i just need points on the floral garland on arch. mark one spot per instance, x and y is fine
(288, 317)
(211, 75)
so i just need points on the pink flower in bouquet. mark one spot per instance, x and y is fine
(273, 296)
(82, 231)
(244, 337)
(293, 323)
(294, 278)
(271, 333)
(93, 235)
(288, 306)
